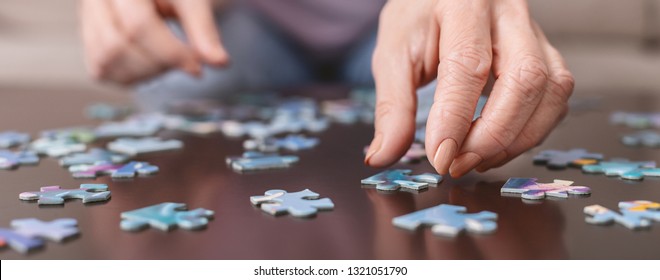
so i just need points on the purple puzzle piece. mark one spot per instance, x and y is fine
(18, 242)
(530, 189)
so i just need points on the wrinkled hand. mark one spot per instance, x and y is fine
(126, 41)
(461, 43)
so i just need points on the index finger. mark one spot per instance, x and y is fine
(465, 60)
(144, 28)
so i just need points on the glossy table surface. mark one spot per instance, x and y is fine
(360, 226)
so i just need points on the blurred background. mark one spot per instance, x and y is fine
(609, 44)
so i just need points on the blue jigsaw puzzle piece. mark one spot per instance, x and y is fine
(299, 204)
(20, 243)
(10, 139)
(254, 161)
(448, 220)
(290, 142)
(165, 216)
(392, 180)
(634, 214)
(94, 156)
(134, 147)
(129, 170)
(629, 170)
(647, 138)
(57, 230)
(10, 160)
(55, 195)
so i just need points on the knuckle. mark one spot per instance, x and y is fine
(501, 134)
(454, 111)
(469, 64)
(564, 81)
(384, 107)
(136, 29)
(529, 79)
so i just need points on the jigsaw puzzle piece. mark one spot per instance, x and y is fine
(555, 159)
(165, 216)
(56, 230)
(636, 119)
(10, 139)
(254, 161)
(56, 147)
(55, 195)
(129, 170)
(291, 142)
(392, 180)
(634, 214)
(529, 188)
(304, 203)
(647, 138)
(18, 242)
(94, 156)
(448, 220)
(136, 126)
(625, 169)
(134, 147)
(10, 160)
(75, 134)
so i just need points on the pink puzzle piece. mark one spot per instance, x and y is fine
(528, 188)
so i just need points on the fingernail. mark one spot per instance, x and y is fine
(445, 155)
(373, 148)
(464, 163)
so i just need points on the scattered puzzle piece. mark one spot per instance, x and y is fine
(253, 161)
(392, 180)
(165, 216)
(10, 160)
(94, 156)
(290, 142)
(75, 134)
(136, 126)
(122, 171)
(56, 230)
(448, 220)
(10, 139)
(630, 170)
(634, 214)
(530, 189)
(57, 147)
(103, 111)
(18, 242)
(201, 127)
(55, 195)
(133, 147)
(298, 204)
(28, 234)
(636, 119)
(647, 138)
(555, 159)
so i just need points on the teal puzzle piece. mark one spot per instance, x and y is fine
(630, 170)
(448, 220)
(55, 195)
(165, 216)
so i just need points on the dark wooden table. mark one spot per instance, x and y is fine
(359, 227)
